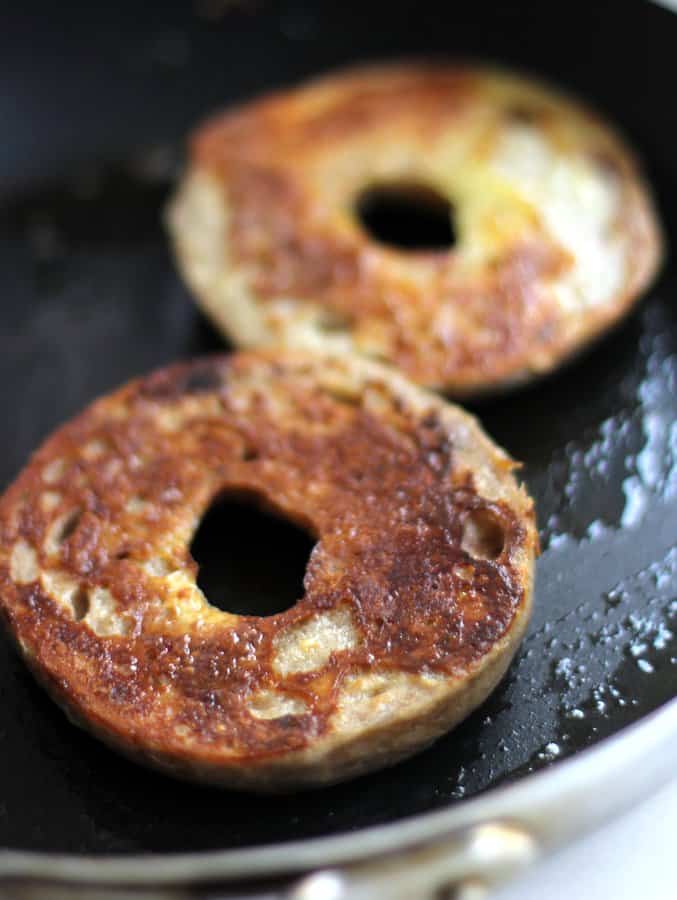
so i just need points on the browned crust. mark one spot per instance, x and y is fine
(380, 476)
(288, 233)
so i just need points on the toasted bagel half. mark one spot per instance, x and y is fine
(417, 591)
(556, 236)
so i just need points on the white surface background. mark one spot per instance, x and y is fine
(633, 858)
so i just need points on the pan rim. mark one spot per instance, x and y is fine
(550, 805)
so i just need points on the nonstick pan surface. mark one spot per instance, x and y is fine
(94, 101)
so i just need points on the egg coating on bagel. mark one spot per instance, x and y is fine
(555, 232)
(416, 594)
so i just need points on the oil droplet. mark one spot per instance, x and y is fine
(550, 751)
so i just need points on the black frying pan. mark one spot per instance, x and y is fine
(95, 100)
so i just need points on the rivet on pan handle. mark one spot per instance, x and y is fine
(466, 867)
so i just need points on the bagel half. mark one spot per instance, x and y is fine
(417, 591)
(556, 234)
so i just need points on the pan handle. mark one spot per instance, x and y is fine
(512, 827)
(465, 866)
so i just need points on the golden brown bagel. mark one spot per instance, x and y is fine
(556, 234)
(416, 594)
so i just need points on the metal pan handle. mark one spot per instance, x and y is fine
(465, 866)
(502, 832)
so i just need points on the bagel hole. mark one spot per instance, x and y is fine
(250, 562)
(409, 215)
(483, 536)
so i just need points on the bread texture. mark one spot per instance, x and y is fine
(417, 591)
(556, 233)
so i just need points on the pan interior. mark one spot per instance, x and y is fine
(251, 562)
(91, 298)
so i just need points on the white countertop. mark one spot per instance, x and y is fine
(633, 858)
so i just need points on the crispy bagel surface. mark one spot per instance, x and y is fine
(416, 593)
(556, 234)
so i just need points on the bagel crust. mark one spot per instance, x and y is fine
(417, 591)
(556, 234)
